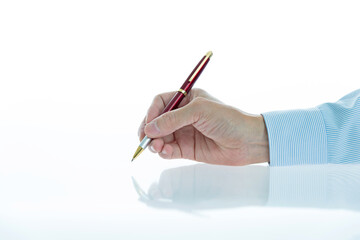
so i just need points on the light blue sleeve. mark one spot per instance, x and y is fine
(328, 133)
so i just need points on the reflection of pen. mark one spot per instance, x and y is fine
(139, 190)
(179, 95)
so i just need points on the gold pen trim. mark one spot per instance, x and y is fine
(182, 91)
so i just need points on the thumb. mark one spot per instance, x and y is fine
(169, 122)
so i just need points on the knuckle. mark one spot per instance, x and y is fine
(199, 91)
(196, 92)
(157, 99)
(199, 102)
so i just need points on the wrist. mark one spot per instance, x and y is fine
(259, 143)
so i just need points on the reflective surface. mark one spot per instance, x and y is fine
(73, 183)
(202, 186)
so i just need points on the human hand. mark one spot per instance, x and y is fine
(205, 130)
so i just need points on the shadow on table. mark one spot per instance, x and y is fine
(204, 186)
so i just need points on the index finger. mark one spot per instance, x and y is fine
(157, 106)
(161, 100)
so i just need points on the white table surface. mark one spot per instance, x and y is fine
(62, 181)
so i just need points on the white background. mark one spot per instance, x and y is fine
(76, 79)
(268, 55)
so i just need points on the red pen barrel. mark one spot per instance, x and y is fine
(174, 102)
(187, 85)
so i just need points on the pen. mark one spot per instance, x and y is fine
(179, 95)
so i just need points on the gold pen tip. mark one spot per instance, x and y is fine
(209, 54)
(137, 153)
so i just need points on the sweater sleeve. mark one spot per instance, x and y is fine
(328, 133)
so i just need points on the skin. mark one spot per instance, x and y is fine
(205, 130)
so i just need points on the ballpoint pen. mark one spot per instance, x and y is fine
(179, 95)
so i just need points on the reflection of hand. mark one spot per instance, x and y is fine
(205, 186)
(205, 130)
(209, 186)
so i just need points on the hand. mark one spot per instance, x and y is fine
(205, 130)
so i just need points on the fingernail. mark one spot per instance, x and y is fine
(152, 149)
(152, 129)
(164, 152)
(139, 132)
